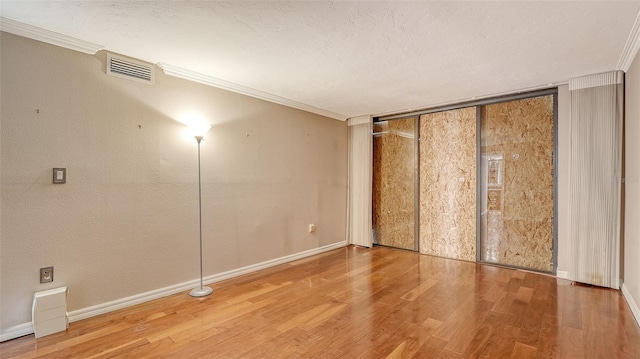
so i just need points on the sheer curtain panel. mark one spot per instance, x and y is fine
(596, 177)
(360, 172)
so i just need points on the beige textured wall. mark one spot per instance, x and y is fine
(126, 221)
(631, 278)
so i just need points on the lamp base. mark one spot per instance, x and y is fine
(201, 291)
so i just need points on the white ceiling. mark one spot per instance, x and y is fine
(355, 58)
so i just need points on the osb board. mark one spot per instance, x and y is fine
(393, 183)
(499, 237)
(448, 184)
(494, 199)
(521, 232)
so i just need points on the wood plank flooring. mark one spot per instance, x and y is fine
(360, 303)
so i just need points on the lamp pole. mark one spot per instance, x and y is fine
(201, 291)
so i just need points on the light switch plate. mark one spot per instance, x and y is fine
(59, 175)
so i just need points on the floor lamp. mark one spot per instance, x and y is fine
(198, 133)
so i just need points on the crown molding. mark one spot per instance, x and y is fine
(631, 47)
(243, 90)
(50, 37)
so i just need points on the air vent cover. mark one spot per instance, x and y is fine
(130, 69)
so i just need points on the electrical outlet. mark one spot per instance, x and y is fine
(46, 274)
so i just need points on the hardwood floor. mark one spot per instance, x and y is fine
(359, 303)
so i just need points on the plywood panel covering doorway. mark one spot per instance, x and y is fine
(448, 184)
(393, 183)
(484, 182)
(518, 183)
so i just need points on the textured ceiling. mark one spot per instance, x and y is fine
(355, 58)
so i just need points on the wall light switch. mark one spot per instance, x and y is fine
(312, 228)
(59, 175)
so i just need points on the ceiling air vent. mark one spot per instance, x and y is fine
(130, 69)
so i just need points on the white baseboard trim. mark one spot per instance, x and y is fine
(562, 274)
(16, 331)
(632, 303)
(27, 328)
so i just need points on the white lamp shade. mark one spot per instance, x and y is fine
(199, 129)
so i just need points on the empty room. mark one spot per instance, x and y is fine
(315, 179)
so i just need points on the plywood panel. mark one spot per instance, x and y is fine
(519, 217)
(393, 183)
(448, 184)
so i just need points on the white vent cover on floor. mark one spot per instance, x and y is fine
(50, 312)
(130, 69)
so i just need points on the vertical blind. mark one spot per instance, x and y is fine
(360, 164)
(596, 177)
